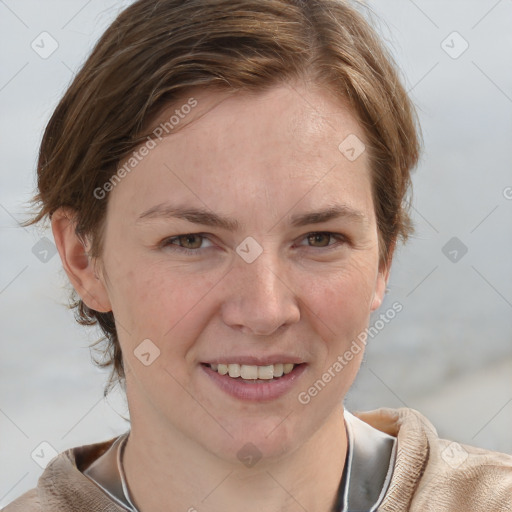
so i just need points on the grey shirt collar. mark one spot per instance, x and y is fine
(104, 472)
(368, 467)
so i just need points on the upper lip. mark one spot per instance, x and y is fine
(255, 360)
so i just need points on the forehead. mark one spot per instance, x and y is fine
(277, 146)
(288, 116)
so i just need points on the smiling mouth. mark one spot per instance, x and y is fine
(253, 373)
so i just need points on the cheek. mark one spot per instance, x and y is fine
(340, 303)
(341, 300)
(155, 302)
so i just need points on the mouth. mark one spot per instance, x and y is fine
(257, 383)
(252, 373)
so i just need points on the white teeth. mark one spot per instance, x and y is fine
(287, 368)
(266, 372)
(278, 370)
(248, 372)
(234, 370)
(253, 372)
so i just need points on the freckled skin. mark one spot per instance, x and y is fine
(257, 159)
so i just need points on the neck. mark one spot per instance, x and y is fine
(164, 466)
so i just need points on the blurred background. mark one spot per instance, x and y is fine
(448, 353)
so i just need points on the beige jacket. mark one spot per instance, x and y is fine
(430, 474)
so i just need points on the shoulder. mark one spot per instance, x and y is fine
(465, 477)
(28, 502)
(63, 486)
(433, 474)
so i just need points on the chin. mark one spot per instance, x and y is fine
(266, 439)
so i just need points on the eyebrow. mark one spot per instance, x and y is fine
(208, 218)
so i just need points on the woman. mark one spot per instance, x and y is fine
(226, 183)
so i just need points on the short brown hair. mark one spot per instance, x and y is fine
(157, 50)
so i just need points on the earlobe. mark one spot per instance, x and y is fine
(76, 262)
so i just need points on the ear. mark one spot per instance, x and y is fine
(382, 280)
(380, 288)
(79, 267)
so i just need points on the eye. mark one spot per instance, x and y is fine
(189, 243)
(192, 243)
(323, 239)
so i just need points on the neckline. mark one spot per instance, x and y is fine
(366, 474)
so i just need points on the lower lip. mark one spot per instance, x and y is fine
(256, 392)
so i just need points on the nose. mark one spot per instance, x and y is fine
(259, 298)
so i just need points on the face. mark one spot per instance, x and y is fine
(244, 238)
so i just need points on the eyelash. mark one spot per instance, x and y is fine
(193, 252)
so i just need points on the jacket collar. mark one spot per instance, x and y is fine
(63, 487)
